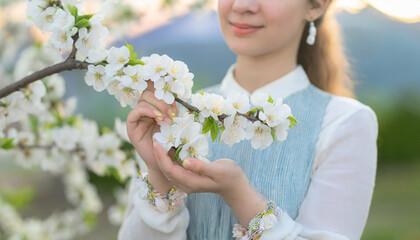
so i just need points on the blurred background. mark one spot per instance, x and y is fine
(382, 41)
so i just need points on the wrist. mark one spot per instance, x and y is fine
(159, 182)
(245, 197)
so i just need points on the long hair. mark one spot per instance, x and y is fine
(325, 63)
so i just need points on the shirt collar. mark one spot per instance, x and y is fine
(283, 87)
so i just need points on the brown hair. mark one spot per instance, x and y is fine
(325, 63)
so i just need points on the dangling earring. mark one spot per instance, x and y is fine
(312, 34)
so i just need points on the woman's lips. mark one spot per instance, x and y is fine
(243, 29)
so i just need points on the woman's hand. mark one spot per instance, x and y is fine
(142, 123)
(223, 176)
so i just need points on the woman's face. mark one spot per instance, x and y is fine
(257, 27)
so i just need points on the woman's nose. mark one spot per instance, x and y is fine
(243, 6)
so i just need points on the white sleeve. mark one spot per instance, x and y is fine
(142, 221)
(337, 203)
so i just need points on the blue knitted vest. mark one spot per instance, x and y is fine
(281, 172)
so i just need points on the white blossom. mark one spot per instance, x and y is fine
(276, 113)
(97, 77)
(178, 69)
(10, 108)
(127, 96)
(116, 214)
(110, 154)
(164, 88)
(96, 55)
(63, 38)
(234, 129)
(92, 40)
(259, 134)
(62, 21)
(259, 98)
(56, 85)
(281, 130)
(166, 136)
(239, 102)
(33, 94)
(216, 105)
(89, 141)
(133, 78)
(156, 66)
(117, 57)
(66, 137)
(41, 15)
(196, 147)
(120, 128)
(187, 82)
(127, 169)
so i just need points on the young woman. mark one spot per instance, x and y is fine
(317, 184)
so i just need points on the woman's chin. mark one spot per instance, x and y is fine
(246, 50)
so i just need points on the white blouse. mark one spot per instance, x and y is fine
(343, 176)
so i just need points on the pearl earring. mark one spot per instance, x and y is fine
(312, 34)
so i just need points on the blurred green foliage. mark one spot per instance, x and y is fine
(399, 129)
(18, 198)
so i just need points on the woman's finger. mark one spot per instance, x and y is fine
(162, 106)
(180, 176)
(159, 116)
(200, 167)
(143, 111)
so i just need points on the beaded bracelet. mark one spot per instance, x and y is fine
(167, 203)
(262, 221)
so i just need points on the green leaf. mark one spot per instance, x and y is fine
(293, 121)
(273, 134)
(73, 10)
(90, 218)
(130, 47)
(133, 62)
(7, 143)
(82, 23)
(50, 125)
(133, 55)
(106, 130)
(72, 120)
(222, 129)
(2, 104)
(19, 198)
(100, 63)
(87, 17)
(214, 130)
(177, 153)
(207, 125)
(114, 172)
(252, 112)
(33, 122)
(270, 100)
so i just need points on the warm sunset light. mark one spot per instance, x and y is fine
(403, 10)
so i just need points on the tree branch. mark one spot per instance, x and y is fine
(72, 54)
(67, 65)
(192, 108)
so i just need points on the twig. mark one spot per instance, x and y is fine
(192, 108)
(67, 65)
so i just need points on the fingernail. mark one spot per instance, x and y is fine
(157, 113)
(186, 163)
